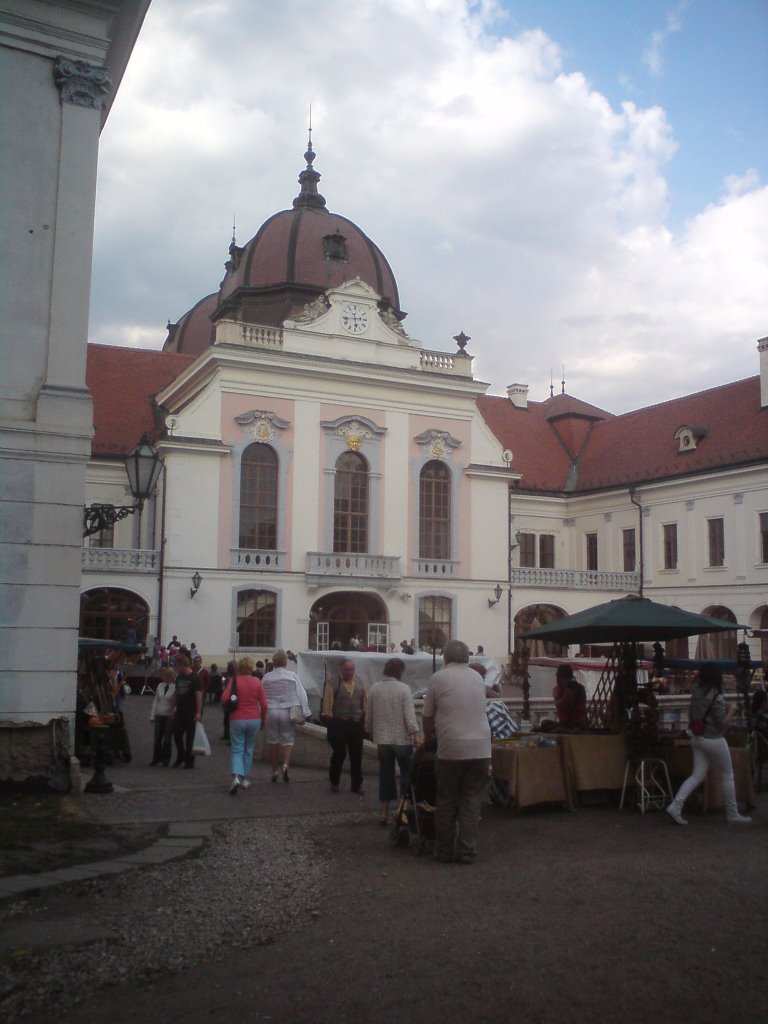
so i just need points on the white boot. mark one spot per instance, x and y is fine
(731, 807)
(739, 819)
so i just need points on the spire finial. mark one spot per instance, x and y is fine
(309, 177)
(562, 382)
(551, 383)
(234, 226)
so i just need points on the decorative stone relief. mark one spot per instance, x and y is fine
(392, 322)
(690, 505)
(313, 310)
(81, 83)
(354, 433)
(570, 521)
(261, 425)
(607, 517)
(437, 444)
(738, 499)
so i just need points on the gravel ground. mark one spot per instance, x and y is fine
(231, 896)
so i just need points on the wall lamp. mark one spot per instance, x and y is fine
(197, 579)
(143, 465)
(497, 592)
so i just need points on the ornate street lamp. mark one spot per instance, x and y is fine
(143, 466)
(497, 592)
(197, 579)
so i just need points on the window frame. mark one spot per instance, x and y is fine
(271, 642)
(670, 547)
(260, 505)
(716, 542)
(441, 493)
(351, 525)
(629, 546)
(762, 537)
(592, 551)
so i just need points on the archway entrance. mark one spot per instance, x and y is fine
(718, 646)
(109, 613)
(335, 620)
(531, 617)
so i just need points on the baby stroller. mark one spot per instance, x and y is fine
(415, 815)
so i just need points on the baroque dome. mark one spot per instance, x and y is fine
(294, 257)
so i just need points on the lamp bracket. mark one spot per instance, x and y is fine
(98, 517)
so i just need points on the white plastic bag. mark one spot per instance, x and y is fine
(201, 744)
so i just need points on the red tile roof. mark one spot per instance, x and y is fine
(123, 383)
(635, 447)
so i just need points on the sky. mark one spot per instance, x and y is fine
(579, 185)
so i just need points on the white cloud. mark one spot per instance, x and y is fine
(653, 54)
(511, 199)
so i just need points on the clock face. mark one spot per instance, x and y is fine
(354, 318)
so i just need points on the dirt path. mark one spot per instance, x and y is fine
(567, 917)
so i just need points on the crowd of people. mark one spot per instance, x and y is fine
(461, 716)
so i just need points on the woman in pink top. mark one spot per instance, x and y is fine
(245, 722)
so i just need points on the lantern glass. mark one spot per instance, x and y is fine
(143, 466)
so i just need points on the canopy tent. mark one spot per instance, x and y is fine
(624, 623)
(630, 619)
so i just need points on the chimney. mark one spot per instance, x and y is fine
(762, 348)
(518, 394)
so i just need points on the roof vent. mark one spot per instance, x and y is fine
(518, 395)
(688, 437)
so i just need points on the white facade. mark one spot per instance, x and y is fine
(58, 64)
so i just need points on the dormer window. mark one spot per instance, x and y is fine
(335, 248)
(688, 437)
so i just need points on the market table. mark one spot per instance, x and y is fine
(593, 762)
(534, 774)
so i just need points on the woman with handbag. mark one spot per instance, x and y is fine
(709, 719)
(247, 703)
(288, 706)
(160, 715)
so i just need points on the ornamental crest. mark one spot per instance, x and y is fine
(438, 444)
(354, 433)
(261, 425)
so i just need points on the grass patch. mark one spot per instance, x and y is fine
(42, 831)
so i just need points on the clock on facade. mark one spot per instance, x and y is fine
(354, 318)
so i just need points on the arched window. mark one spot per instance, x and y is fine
(434, 622)
(108, 613)
(435, 511)
(258, 498)
(256, 617)
(350, 504)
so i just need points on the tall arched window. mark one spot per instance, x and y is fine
(256, 617)
(435, 511)
(350, 504)
(258, 498)
(434, 621)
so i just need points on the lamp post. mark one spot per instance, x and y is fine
(143, 465)
(197, 579)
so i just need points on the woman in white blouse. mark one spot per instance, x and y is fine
(284, 690)
(391, 721)
(161, 707)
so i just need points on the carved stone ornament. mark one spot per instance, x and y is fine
(392, 322)
(261, 425)
(438, 443)
(81, 83)
(313, 310)
(354, 433)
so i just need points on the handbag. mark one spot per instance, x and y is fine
(231, 703)
(297, 714)
(696, 725)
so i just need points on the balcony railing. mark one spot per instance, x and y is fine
(435, 568)
(234, 332)
(119, 560)
(446, 362)
(576, 579)
(257, 559)
(323, 565)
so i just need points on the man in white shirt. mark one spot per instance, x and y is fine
(454, 711)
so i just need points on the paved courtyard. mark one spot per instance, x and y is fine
(295, 906)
